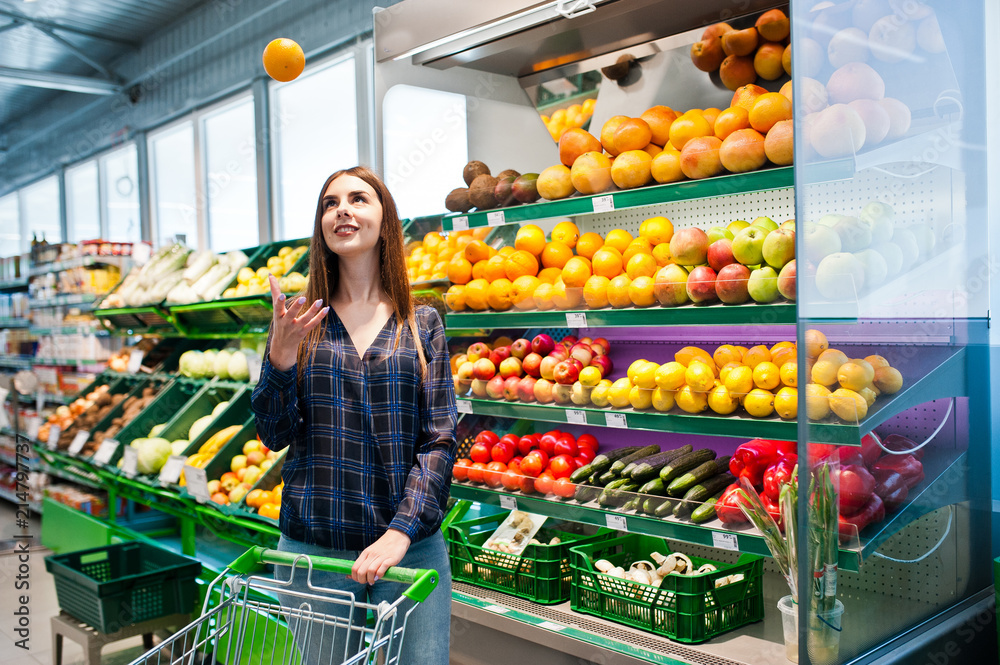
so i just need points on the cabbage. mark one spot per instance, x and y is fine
(153, 454)
(179, 446)
(238, 368)
(219, 408)
(193, 364)
(222, 363)
(155, 432)
(199, 426)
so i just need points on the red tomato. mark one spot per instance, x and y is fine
(548, 443)
(510, 480)
(502, 451)
(527, 484)
(512, 439)
(480, 452)
(487, 437)
(532, 465)
(544, 482)
(577, 463)
(564, 488)
(540, 454)
(561, 466)
(587, 441)
(566, 446)
(461, 469)
(525, 444)
(476, 470)
(586, 455)
(493, 473)
(515, 464)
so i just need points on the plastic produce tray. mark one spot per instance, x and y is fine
(542, 573)
(686, 608)
(108, 587)
(255, 311)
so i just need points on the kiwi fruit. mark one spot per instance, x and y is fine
(474, 169)
(458, 200)
(509, 173)
(504, 191)
(482, 192)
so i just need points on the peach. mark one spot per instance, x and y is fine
(574, 142)
(876, 120)
(813, 57)
(746, 95)
(707, 55)
(659, 119)
(700, 157)
(778, 144)
(715, 31)
(632, 134)
(740, 42)
(786, 59)
(855, 80)
(737, 71)
(837, 131)
(666, 166)
(892, 40)
(743, 151)
(899, 116)
(591, 173)
(848, 45)
(767, 61)
(608, 133)
(773, 25)
(731, 119)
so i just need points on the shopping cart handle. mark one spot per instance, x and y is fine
(421, 581)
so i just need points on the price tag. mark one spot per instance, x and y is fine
(508, 502)
(495, 218)
(135, 361)
(130, 461)
(460, 223)
(79, 441)
(604, 203)
(253, 367)
(39, 402)
(4, 421)
(576, 319)
(106, 452)
(725, 541)
(197, 483)
(616, 420)
(53, 439)
(497, 609)
(616, 522)
(170, 474)
(31, 426)
(548, 625)
(576, 417)
(463, 406)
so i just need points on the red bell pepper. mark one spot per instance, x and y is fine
(773, 509)
(751, 460)
(849, 456)
(907, 466)
(870, 448)
(855, 486)
(819, 451)
(892, 489)
(778, 474)
(728, 507)
(898, 442)
(873, 512)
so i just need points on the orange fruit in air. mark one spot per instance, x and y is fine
(499, 295)
(520, 263)
(746, 95)
(588, 244)
(619, 239)
(640, 265)
(666, 166)
(608, 133)
(475, 294)
(454, 297)
(530, 238)
(657, 230)
(659, 119)
(522, 291)
(688, 126)
(640, 291)
(632, 134)
(632, 168)
(550, 275)
(576, 272)
(283, 59)
(496, 268)
(567, 233)
(731, 119)
(617, 292)
(768, 110)
(476, 251)
(459, 270)
(556, 254)
(595, 292)
(639, 245)
(607, 263)
(591, 173)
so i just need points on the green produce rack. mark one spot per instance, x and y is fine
(221, 461)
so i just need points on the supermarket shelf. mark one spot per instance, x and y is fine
(83, 300)
(16, 362)
(14, 323)
(78, 262)
(10, 457)
(58, 400)
(69, 362)
(68, 330)
(941, 373)
(7, 494)
(685, 315)
(14, 284)
(740, 183)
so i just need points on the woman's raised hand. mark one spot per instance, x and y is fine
(287, 329)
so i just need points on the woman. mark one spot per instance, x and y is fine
(357, 385)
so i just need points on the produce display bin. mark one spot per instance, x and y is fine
(108, 587)
(541, 573)
(200, 405)
(683, 608)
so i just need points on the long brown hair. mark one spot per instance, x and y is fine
(324, 269)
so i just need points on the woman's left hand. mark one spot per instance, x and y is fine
(381, 555)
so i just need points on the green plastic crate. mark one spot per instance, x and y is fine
(685, 608)
(202, 404)
(270, 480)
(222, 460)
(541, 573)
(117, 585)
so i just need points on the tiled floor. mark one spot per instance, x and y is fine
(42, 605)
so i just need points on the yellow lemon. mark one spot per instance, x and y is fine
(645, 376)
(634, 368)
(618, 393)
(816, 343)
(786, 403)
(848, 405)
(670, 376)
(824, 372)
(789, 374)
(639, 398)
(766, 375)
(817, 401)
(690, 400)
(888, 380)
(756, 355)
(245, 275)
(599, 395)
(855, 376)
(739, 382)
(759, 403)
(721, 401)
(699, 376)
(663, 400)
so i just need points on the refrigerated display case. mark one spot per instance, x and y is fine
(892, 241)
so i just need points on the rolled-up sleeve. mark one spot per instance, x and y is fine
(275, 405)
(428, 484)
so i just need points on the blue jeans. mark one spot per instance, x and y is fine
(428, 627)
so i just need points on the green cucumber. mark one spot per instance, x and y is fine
(616, 496)
(601, 463)
(703, 492)
(650, 505)
(585, 493)
(706, 511)
(635, 503)
(684, 463)
(608, 477)
(654, 486)
(681, 484)
(619, 464)
(646, 469)
(665, 508)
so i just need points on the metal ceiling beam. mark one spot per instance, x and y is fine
(10, 13)
(54, 81)
(72, 48)
(13, 24)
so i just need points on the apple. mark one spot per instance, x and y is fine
(820, 242)
(731, 284)
(542, 344)
(907, 244)
(566, 372)
(484, 369)
(241, 472)
(250, 446)
(779, 248)
(214, 486)
(510, 367)
(720, 254)
(840, 276)
(499, 354)
(787, 224)
(494, 387)
(748, 245)
(569, 340)
(765, 223)
(466, 371)
(670, 285)
(479, 388)
(597, 350)
(603, 343)
(893, 256)
(228, 481)
(718, 233)
(543, 391)
(265, 465)
(603, 363)
(547, 367)
(253, 474)
(531, 365)
(786, 281)
(575, 362)
(222, 498)
(689, 246)
(562, 393)
(237, 493)
(238, 462)
(855, 235)
(510, 388)
(559, 353)
(526, 389)
(736, 226)
(478, 350)
(580, 394)
(254, 458)
(582, 352)
(585, 340)
(701, 284)
(880, 218)
(876, 269)
(763, 284)
(520, 348)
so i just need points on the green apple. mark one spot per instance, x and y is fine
(765, 223)
(880, 218)
(876, 268)
(736, 226)
(788, 224)
(748, 245)
(840, 276)
(855, 235)
(893, 256)
(779, 248)
(820, 242)
(763, 285)
(718, 233)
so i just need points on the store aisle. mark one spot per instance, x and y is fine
(42, 605)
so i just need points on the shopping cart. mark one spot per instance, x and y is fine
(242, 623)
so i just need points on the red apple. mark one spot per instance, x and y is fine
(604, 364)
(570, 339)
(494, 387)
(499, 354)
(562, 393)
(786, 280)
(547, 367)
(520, 348)
(585, 340)
(581, 352)
(731, 284)
(720, 254)
(689, 246)
(566, 373)
(479, 388)
(542, 344)
(701, 284)
(559, 353)
(478, 350)
(543, 391)
(596, 349)
(532, 365)
(466, 371)
(510, 367)
(484, 369)
(604, 343)
(510, 391)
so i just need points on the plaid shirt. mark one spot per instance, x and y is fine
(371, 446)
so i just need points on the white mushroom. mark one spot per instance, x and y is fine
(706, 568)
(657, 557)
(604, 565)
(618, 572)
(642, 565)
(668, 565)
(555, 540)
(684, 565)
(640, 576)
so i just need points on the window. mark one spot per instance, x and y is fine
(40, 206)
(10, 226)
(174, 200)
(120, 185)
(83, 207)
(314, 123)
(424, 132)
(231, 177)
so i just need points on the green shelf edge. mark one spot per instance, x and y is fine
(727, 185)
(14, 323)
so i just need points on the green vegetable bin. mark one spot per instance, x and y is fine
(685, 608)
(541, 573)
(255, 311)
(118, 585)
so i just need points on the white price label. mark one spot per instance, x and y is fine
(39, 402)
(253, 367)
(497, 609)
(106, 451)
(170, 474)
(79, 441)
(53, 439)
(495, 218)
(616, 522)
(725, 541)
(616, 420)
(460, 223)
(463, 406)
(31, 426)
(135, 361)
(548, 625)
(576, 417)
(604, 203)
(130, 461)
(576, 319)
(197, 483)
(508, 502)
(4, 421)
